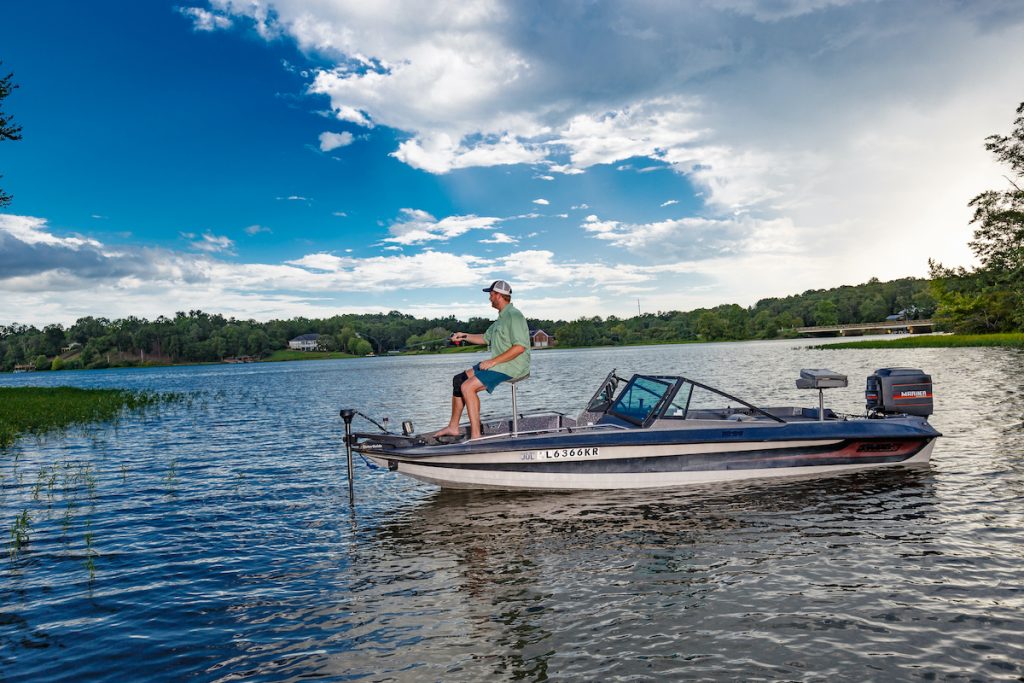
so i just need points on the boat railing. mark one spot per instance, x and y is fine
(547, 430)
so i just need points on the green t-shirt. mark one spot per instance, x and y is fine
(508, 330)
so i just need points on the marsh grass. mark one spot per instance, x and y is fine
(36, 411)
(40, 410)
(19, 533)
(938, 341)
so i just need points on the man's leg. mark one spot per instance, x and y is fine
(457, 404)
(453, 424)
(471, 389)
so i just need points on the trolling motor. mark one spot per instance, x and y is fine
(347, 414)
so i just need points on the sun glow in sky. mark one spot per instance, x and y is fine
(276, 158)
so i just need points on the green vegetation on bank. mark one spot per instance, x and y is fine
(38, 410)
(200, 337)
(934, 341)
(291, 354)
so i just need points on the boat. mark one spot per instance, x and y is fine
(657, 431)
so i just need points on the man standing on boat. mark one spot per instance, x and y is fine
(509, 340)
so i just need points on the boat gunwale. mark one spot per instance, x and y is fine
(896, 428)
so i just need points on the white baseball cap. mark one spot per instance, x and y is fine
(501, 287)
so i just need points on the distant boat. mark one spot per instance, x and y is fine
(667, 430)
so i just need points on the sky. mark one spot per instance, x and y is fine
(279, 158)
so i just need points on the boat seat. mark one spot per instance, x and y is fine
(820, 379)
(515, 405)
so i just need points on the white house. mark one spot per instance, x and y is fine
(305, 342)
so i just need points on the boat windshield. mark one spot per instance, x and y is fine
(647, 397)
(641, 398)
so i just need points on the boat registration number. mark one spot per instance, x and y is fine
(558, 453)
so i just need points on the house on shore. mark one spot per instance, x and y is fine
(539, 339)
(305, 342)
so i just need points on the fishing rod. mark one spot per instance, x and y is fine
(428, 342)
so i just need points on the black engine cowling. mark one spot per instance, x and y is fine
(899, 390)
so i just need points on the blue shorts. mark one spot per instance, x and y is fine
(489, 378)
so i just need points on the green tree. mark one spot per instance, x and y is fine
(258, 343)
(582, 332)
(874, 309)
(991, 297)
(431, 339)
(8, 129)
(825, 313)
(360, 347)
(711, 326)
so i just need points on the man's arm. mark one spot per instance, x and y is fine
(469, 338)
(504, 357)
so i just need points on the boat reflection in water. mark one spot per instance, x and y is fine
(534, 582)
(666, 431)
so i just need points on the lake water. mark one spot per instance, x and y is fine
(215, 540)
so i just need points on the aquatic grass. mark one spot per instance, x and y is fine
(39, 410)
(934, 341)
(19, 533)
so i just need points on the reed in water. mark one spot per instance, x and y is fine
(39, 410)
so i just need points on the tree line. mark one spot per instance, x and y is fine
(197, 336)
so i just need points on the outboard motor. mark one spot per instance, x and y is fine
(893, 391)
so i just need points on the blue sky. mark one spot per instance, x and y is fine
(274, 159)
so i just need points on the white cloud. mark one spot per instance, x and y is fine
(257, 229)
(213, 243)
(644, 129)
(72, 277)
(205, 20)
(352, 115)
(320, 261)
(565, 169)
(670, 202)
(330, 141)
(499, 238)
(440, 153)
(30, 230)
(542, 202)
(696, 239)
(416, 226)
(79, 274)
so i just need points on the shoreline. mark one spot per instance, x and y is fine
(1003, 339)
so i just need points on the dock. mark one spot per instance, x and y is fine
(860, 329)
